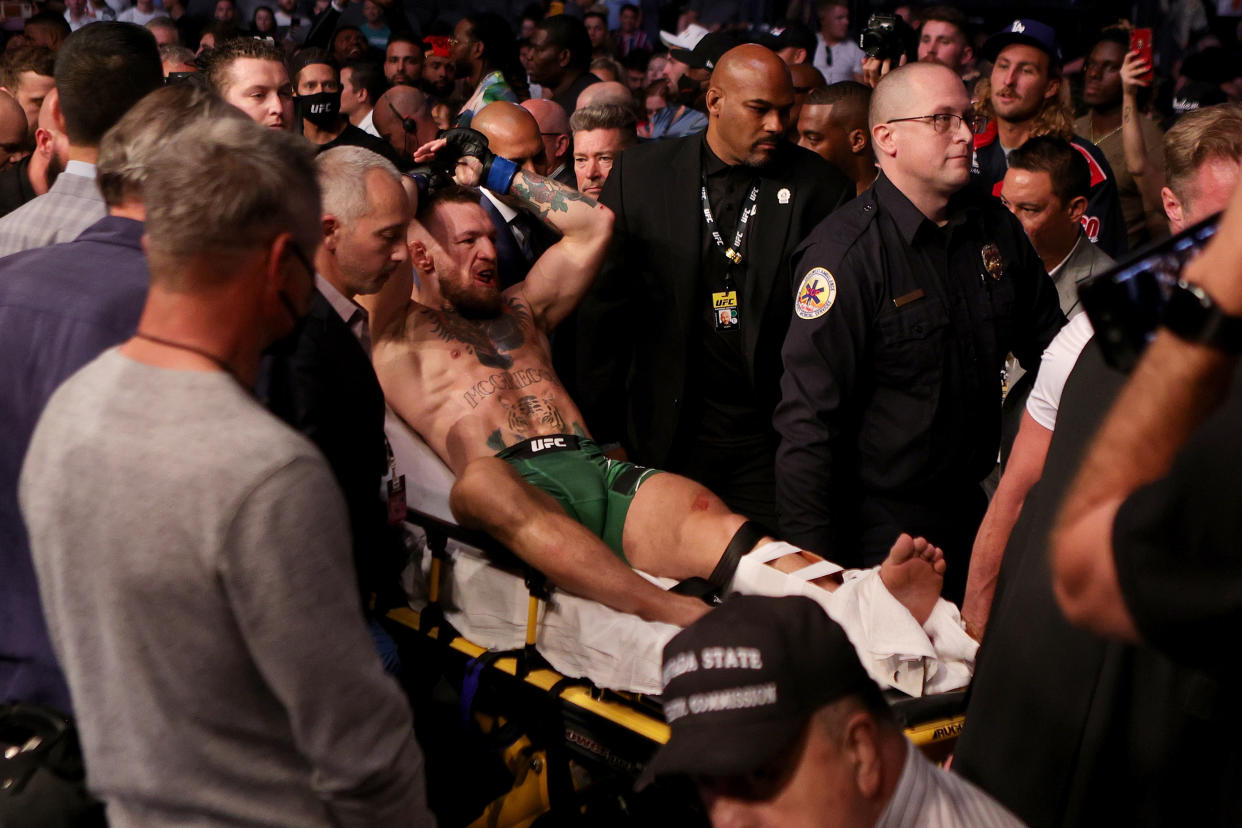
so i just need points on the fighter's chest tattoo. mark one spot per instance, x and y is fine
(490, 340)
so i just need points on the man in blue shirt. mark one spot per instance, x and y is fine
(60, 307)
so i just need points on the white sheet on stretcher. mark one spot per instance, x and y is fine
(585, 639)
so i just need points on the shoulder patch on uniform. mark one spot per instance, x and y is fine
(816, 293)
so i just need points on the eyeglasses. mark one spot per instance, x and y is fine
(942, 122)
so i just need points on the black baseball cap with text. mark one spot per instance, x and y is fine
(741, 683)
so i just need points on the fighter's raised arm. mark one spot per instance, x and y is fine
(561, 276)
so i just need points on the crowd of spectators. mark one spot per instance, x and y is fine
(819, 259)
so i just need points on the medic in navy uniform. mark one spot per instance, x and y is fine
(908, 300)
(1026, 96)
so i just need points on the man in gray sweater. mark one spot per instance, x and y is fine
(192, 551)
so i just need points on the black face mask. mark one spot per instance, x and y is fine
(321, 109)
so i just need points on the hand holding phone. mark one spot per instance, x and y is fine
(1140, 41)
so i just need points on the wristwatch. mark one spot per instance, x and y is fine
(1194, 316)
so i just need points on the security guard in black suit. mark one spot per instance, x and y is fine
(679, 341)
(908, 301)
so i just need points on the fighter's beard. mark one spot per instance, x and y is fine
(471, 304)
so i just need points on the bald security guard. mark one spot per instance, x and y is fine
(907, 303)
(679, 341)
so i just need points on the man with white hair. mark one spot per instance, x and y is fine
(323, 384)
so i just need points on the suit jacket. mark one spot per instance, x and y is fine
(60, 307)
(637, 324)
(72, 204)
(1085, 262)
(326, 388)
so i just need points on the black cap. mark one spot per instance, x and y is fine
(707, 52)
(786, 34)
(741, 683)
(1027, 31)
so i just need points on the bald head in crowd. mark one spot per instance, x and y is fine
(553, 129)
(748, 104)
(13, 144)
(512, 133)
(902, 87)
(926, 165)
(605, 93)
(396, 111)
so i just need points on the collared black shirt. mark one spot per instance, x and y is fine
(893, 392)
(725, 400)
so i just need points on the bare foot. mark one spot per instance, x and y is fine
(914, 573)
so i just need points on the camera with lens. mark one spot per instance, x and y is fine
(1127, 303)
(887, 37)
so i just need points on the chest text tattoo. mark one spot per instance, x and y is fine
(506, 381)
(489, 340)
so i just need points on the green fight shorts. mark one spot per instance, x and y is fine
(593, 489)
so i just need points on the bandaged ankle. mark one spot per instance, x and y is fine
(755, 576)
(774, 550)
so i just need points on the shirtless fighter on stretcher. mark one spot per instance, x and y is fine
(469, 368)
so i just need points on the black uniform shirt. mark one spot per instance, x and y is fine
(721, 399)
(893, 358)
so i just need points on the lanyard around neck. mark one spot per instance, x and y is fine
(736, 251)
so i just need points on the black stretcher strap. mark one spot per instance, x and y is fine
(744, 539)
(710, 590)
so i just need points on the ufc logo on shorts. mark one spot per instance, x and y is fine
(547, 443)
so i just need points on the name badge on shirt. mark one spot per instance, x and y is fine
(396, 500)
(725, 310)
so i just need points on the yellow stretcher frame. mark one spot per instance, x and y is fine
(530, 796)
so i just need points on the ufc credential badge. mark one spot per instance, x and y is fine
(816, 294)
(725, 310)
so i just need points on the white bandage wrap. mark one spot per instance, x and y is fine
(896, 651)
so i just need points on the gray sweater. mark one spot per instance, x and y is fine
(194, 565)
